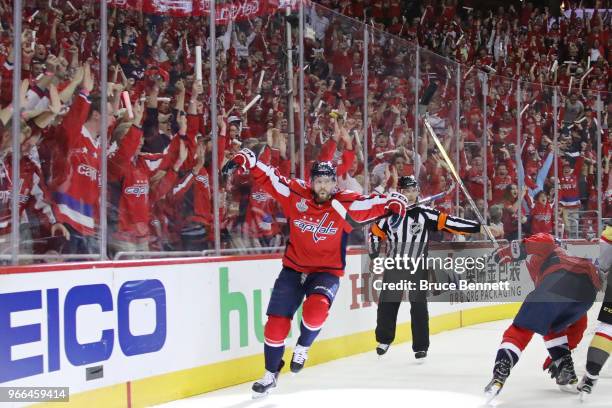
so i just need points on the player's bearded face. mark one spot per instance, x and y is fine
(323, 187)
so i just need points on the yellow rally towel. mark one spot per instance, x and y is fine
(607, 234)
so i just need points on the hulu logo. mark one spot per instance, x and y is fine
(240, 304)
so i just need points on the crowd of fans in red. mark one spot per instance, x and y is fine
(160, 175)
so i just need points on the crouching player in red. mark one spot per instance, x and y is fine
(565, 289)
(314, 258)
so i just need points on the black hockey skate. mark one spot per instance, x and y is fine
(501, 371)
(420, 356)
(564, 374)
(300, 355)
(585, 387)
(382, 348)
(262, 387)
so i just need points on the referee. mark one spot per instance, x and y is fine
(410, 237)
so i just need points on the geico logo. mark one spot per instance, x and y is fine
(137, 190)
(60, 324)
(87, 171)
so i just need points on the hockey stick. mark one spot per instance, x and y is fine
(460, 182)
(428, 200)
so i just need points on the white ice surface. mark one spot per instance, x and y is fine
(457, 369)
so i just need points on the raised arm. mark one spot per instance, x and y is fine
(267, 177)
(76, 117)
(359, 209)
(68, 91)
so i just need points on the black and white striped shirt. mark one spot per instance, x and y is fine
(411, 238)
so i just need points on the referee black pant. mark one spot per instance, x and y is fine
(389, 304)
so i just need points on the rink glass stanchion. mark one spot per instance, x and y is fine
(103, 240)
(458, 129)
(447, 99)
(214, 110)
(485, 146)
(555, 102)
(367, 142)
(290, 89)
(365, 112)
(417, 94)
(521, 183)
(302, 108)
(599, 168)
(16, 130)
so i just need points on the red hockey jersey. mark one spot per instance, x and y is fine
(568, 191)
(317, 233)
(78, 194)
(542, 218)
(498, 187)
(137, 195)
(547, 257)
(32, 190)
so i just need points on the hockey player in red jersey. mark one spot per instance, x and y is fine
(314, 258)
(565, 289)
